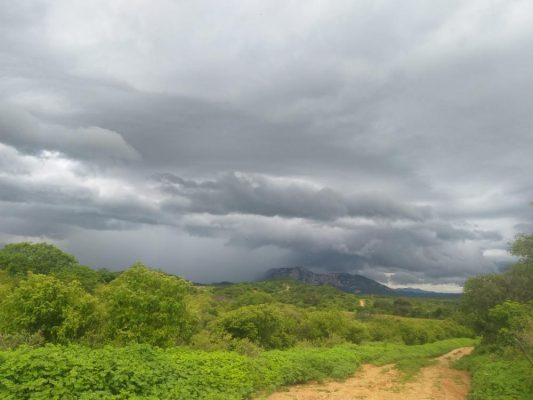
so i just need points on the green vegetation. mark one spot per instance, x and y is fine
(68, 331)
(299, 294)
(145, 306)
(42, 304)
(500, 308)
(146, 372)
(413, 330)
(499, 376)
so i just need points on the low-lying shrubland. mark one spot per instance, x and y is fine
(144, 372)
(414, 330)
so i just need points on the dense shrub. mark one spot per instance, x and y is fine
(59, 311)
(146, 306)
(414, 331)
(262, 324)
(499, 376)
(321, 325)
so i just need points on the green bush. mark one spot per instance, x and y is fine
(262, 324)
(320, 326)
(498, 376)
(414, 331)
(59, 311)
(146, 306)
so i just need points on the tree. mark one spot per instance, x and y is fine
(523, 248)
(402, 307)
(147, 306)
(262, 324)
(39, 258)
(87, 277)
(324, 324)
(60, 311)
(512, 323)
(481, 293)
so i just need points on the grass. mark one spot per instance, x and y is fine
(410, 359)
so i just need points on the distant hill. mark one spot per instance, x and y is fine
(412, 292)
(346, 282)
(350, 283)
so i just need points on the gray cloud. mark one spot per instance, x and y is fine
(260, 195)
(20, 129)
(366, 137)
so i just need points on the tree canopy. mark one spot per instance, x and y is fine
(59, 311)
(147, 306)
(39, 258)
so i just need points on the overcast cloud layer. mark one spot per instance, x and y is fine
(216, 139)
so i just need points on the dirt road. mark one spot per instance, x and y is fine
(435, 382)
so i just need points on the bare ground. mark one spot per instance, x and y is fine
(435, 382)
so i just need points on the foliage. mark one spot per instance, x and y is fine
(145, 372)
(413, 307)
(507, 321)
(498, 376)
(285, 291)
(258, 335)
(17, 339)
(414, 331)
(59, 311)
(523, 248)
(480, 295)
(87, 277)
(39, 258)
(402, 307)
(147, 306)
(486, 291)
(500, 307)
(262, 324)
(321, 325)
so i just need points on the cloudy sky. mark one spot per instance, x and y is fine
(216, 139)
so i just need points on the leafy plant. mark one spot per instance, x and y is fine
(147, 306)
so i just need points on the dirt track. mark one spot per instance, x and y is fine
(435, 382)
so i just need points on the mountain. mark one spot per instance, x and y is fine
(412, 292)
(349, 283)
(343, 281)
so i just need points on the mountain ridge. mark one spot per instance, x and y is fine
(351, 283)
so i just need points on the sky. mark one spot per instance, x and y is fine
(215, 140)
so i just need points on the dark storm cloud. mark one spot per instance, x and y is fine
(390, 140)
(20, 129)
(259, 195)
(416, 247)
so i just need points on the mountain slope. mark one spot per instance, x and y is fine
(350, 283)
(343, 281)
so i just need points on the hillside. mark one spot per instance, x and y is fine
(346, 282)
(350, 283)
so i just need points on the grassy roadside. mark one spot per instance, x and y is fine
(504, 375)
(145, 372)
(409, 359)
